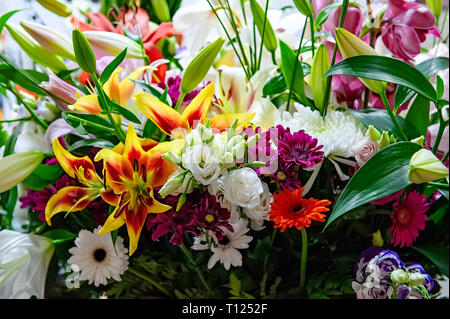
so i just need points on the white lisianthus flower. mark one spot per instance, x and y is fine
(200, 161)
(364, 150)
(242, 187)
(217, 189)
(24, 261)
(98, 257)
(226, 251)
(31, 138)
(260, 213)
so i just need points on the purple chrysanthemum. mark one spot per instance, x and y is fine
(174, 91)
(299, 149)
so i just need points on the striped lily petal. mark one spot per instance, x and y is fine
(127, 86)
(81, 168)
(196, 111)
(165, 117)
(69, 199)
(224, 121)
(87, 104)
(118, 170)
(112, 86)
(133, 150)
(112, 223)
(135, 219)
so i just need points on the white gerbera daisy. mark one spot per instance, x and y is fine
(98, 258)
(226, 250)
(338, 132)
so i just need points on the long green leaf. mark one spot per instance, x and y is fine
(437, 253)
(4, 18)
(429, 68)
(386, 69)
(418, 114)
(112, 66)
(383, 174)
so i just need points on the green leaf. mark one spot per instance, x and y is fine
(149, 129)
(291, 68)
(275, 85)
(383, 174)
(42, 176)
(264, 27)
(106, 74)
(437, 253)
(429, 68)
(152, 90)
(118, 109)
(23, 77)
(90, 143)
(385, 69)
(439, 87)
(4, 18)
(382, 122)
(59, 235)
(418, 115)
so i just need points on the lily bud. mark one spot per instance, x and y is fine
(350, 46)
(264, 27)
(435, 6)
(83, 52)
(35, 51)
(199, 66)
(16, 167)
(50, 39)
(419, 140)
(373, 133)
(172, 184)
(399, 276)
(425, 167)
(56, 7)
(304, 7)
(320, 66)
(113, 44)
(161, 10)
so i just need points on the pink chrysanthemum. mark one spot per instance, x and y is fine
(299, 149)
(408, 218)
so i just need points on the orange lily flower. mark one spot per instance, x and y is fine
(132, 173)
(118, 91)
(177, 125)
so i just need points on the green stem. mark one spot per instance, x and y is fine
(262, 37)
(333, 60)
(313, 40)
(89, 123)
(35, 117)
(295, 66)
(304, 258)
(149, 280)
(179, 101)
(445, 157)
(392, 116)
(440, 131)
(266, 259)
(438, 185)
(188, 254)
(17, 120)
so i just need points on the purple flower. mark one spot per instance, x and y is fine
(299, 149)
(173, 85)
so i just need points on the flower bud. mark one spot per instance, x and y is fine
(320, 66)
(16, 167)
(304, 7)
(171, 157)
(235, 140)
(199, 66)
(161, 10)
(426, 167)
(419, 140)
(83, 52)
(173, 183)
(50, 39)
(56, 7)
(181, 201)
(384, 140)
(228, 160)
(350, 46)
(113, 44)
(264, 27)
(373, 133)
(377, 239)
(435, 6)
(205, 133)
(416, 279)
(34, 50)
(238, 151)
(399, 276)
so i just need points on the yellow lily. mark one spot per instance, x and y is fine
(177, 125)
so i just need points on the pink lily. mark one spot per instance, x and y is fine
(353, 22)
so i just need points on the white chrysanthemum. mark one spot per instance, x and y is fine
(98, 258)
(226, 251)
(338, 132)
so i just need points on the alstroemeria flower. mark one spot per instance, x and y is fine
(118, 91)
(132, 173)
(175, 124)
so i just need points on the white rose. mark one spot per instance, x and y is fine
(24, 260)
(242, 187)
(258, 214)
(364, 150)
(200, 161)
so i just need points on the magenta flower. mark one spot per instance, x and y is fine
(406, 26)
(64, 94)
(353, 22)
(299, 149)
(318, 5)
(408, 218)
(174, 91)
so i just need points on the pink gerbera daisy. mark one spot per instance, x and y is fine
(408, 218)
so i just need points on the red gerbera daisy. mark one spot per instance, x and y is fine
(289, 209)
(408, 218)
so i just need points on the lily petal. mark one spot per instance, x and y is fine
(223, 121)
(81, 168)
(196, 111)
(117, 168)
(87, 104)
(165, 117)
(127, 86)
(133, 150)
(135, 219)
(69, 199)
(112, 86)
(112, 223)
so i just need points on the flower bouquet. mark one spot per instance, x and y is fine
(226, 149)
